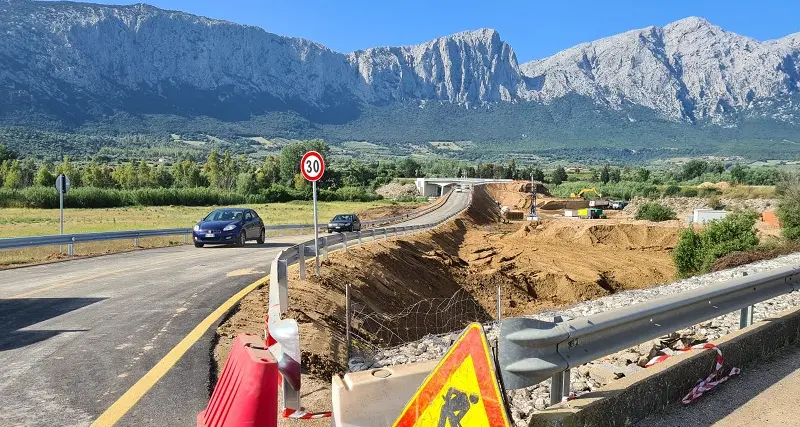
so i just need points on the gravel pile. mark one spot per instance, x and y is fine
(395, 189)
(595, 375)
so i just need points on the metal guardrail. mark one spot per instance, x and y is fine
(530, 350)
(70, 239)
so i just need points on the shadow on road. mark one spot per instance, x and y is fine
(249, 245)
(16, 314)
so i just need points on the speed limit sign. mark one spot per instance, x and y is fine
(312, 166)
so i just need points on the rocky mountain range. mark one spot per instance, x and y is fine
(73, 63)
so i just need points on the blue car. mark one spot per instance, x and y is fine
(229, 226)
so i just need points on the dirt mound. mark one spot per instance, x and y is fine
(516, 195)
(561, 204)
(616, 236)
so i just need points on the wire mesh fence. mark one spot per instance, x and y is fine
(371, 333)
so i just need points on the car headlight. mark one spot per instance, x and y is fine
(197, 227)
(331, 225)
(229, 227)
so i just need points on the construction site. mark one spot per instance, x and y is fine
(552, 261)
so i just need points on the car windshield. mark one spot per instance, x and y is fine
(343, 218)
(225, 215)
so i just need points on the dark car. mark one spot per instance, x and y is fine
(229, 226)
(344, 222)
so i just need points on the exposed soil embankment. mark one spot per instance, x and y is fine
(538, 265)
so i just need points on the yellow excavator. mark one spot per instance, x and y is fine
(581, 194)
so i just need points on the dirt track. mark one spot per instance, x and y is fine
(538, 265)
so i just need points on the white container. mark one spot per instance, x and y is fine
(570, 213)
(702, 216)
(598, 203)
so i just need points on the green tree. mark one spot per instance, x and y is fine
(68, 168)
(212, 168)
(44, 177)
(6, 154)
(559, 176)
(409, 168)
(538, 175)
(291, 155)
(694, 169)
(245, 183)
(642, 175)
(28, 168)
(511, 170)
(615, 175)
(13, 176)
(605, 174)
(738, 174)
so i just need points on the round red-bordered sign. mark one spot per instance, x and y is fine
(312, 166)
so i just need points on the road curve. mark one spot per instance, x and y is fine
(74, 336)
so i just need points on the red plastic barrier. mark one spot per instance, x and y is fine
(247, 392)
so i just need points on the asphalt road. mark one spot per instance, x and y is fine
(765, 394)
(75, 335)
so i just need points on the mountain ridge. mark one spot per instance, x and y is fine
(80, 63)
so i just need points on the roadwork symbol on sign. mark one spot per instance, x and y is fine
(461, 391)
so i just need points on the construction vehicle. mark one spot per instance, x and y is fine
(591, 213)
(581, 194)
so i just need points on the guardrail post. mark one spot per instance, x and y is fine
(385, 234)
(557, 380)
(136, 242)
(566, 387)
(325, 247)
(280, 232)
(70, 250)
(360, 242)
(746, 317)
(301, 261)
(185, 239)
(344, 241)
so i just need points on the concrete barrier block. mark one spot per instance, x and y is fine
(375, 398)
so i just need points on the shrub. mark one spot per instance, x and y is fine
(696, 252)
(708, 192)
(39, 197)
(655, 212)
(672, 190)
(688, 192)
(789, 206)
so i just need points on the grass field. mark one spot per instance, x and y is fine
(19, 222)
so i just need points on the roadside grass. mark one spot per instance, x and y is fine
(749, 191)
(21, 222)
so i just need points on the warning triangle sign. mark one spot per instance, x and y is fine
(461, 391)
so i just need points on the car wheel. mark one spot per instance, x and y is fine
(262, 237)
(198, 245)
(242, 239)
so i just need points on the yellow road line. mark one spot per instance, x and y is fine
(124, 404)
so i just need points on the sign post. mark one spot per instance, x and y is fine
(62, 185)
(312, 166)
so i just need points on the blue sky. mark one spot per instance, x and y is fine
(534, 28)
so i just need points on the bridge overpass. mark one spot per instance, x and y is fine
(434, 187)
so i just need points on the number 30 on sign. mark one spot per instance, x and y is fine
(312, 166)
